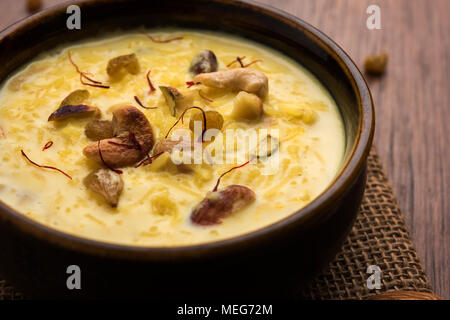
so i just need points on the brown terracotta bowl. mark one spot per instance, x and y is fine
(274, 260)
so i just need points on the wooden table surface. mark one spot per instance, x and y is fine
(412, 103)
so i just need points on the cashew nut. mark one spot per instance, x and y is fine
(242, 79)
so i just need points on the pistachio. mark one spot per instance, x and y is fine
(118, 66)
(214, 120)
(69, 111)
(171, 95)
(242, 79)
(204, 61)
(75, 98)
(247, 106)
(99, 130)
(133, 139)
(106, 183)
(220, 204)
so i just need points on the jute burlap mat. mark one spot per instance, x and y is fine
(379, 238)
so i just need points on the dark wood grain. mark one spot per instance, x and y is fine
(412, 104)
(412, 107)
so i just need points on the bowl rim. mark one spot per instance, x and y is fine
(347, 174)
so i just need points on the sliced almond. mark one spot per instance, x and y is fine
(220, 204)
